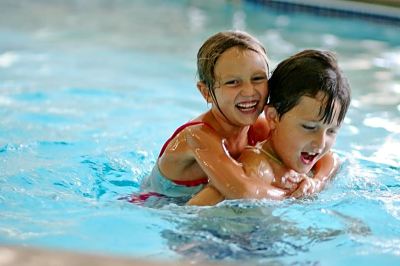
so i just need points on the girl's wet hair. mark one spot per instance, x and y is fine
(216, 45)
(306, 74)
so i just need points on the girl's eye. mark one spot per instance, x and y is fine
(232, 82)
(259, 79)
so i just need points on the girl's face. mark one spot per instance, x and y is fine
(241, 86)
(300, 139)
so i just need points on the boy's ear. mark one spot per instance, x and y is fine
(271, 116)
(202, 87)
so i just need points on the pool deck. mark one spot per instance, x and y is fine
(22, 256)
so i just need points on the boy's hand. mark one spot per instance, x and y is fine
(289, 181)
(307, 187)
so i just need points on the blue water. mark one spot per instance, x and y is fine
(89, 91)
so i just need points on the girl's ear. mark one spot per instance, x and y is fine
(271, 116)
(202, 87)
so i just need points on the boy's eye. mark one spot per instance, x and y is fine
(333, 131)
(309, 127)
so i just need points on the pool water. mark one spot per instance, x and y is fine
(89, 92)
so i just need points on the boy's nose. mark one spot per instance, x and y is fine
(318, 141)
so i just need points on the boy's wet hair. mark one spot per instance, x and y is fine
(216, 45)
(306, 74)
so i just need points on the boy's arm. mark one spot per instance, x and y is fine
(206, 197)
(325, 169)
(232, 179)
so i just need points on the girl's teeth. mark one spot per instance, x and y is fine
(246, 105)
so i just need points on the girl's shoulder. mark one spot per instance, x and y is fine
(260, 129)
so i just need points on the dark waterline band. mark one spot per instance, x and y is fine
(335, 8)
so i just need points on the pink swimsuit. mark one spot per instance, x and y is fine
(158, 183)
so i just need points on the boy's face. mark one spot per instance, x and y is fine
(241, 85)
(300, 138)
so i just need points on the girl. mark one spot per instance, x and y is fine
(233, 78)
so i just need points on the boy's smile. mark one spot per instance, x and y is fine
(308, 158)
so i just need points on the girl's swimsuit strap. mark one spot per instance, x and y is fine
(187, 183)
(191, 183)
(178, 130)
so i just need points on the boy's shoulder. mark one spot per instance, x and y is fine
(255, 162)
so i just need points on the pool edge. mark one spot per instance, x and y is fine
(29, 256)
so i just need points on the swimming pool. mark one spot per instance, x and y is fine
(89, 91)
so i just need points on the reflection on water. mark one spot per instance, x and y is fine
(251, 231)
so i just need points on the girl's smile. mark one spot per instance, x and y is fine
(241, 86)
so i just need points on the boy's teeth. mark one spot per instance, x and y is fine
(309, 156)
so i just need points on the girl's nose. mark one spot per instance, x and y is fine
(248, 89)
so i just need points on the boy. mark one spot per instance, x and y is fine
(308, 99)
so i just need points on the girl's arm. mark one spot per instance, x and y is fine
(233, 179)
(206, 197)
